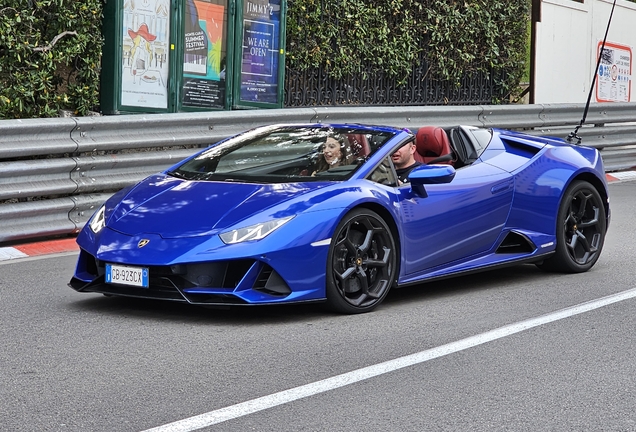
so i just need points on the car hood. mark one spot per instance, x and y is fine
(175, 208)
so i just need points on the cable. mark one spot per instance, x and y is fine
(574, 134)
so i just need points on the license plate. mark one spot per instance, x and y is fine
(126, 275)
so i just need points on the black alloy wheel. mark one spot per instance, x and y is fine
(581, 227)
(362, 263)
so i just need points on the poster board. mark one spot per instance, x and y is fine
(204, 62)
(260, 73)
(145, 55)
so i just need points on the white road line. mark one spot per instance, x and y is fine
(286, 396)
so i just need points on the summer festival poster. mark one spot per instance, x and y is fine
(614, 79)
(261, 43)
(146, 31)
(203, 62)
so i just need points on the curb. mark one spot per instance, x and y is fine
(621, 176)
(69, 245)
(40, 248)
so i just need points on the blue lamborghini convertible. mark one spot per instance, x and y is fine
(298, 213)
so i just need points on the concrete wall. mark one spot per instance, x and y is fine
(566, 51)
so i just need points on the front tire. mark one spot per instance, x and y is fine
(362, 262)
(581, 227)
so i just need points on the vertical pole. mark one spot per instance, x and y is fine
(535, 18)
(175, 47)
(282, 50)
(230, 53)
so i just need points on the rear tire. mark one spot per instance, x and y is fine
(362, 262)
(581, 227)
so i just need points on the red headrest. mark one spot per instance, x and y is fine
(431, 142)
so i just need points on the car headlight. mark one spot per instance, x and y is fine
(98, 222)
(253, 232)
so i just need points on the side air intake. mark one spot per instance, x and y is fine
(515, 243)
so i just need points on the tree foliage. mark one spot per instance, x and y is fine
(49, 57)
(458, 37)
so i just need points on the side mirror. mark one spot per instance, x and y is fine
(430, 174)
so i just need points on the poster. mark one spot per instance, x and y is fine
(146, 32)
(614, 80)
(203, 55)
(260, 51)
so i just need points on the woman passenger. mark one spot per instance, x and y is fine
(333, 155)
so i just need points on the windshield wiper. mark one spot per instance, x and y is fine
(189, 175)
(178, 174)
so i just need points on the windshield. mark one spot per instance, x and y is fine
(277, 154)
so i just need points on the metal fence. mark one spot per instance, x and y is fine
(314, 87)
(55, 172)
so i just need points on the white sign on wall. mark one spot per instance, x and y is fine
(613, 83)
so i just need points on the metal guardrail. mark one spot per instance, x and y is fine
(55, 172)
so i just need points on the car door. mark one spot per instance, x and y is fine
(457, 220)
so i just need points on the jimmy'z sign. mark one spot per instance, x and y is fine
(260, 51)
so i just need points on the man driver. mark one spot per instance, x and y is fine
(404, 161)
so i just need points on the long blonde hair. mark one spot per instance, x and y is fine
(137, 44)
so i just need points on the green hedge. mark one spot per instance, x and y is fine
(49, 57)
(459, 37)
